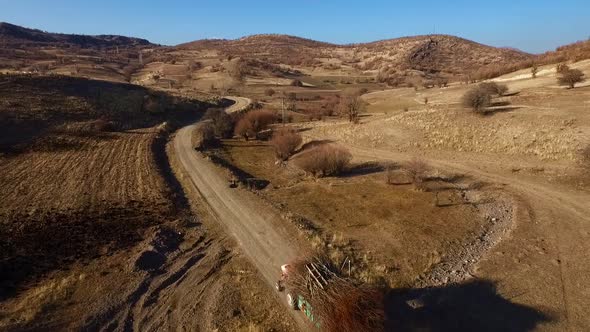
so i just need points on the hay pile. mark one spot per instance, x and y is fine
(339, 304)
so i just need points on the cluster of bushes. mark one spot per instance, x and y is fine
(480, 97)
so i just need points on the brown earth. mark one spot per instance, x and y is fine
(96, 233)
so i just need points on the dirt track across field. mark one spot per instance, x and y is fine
(252, 224)
(544, 263)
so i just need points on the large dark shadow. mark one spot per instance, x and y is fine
(366, 168)
(471, 306)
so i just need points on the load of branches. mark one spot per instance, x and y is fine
(339, 304)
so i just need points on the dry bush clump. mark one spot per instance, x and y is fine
(324, 160)
(285, 141)
(477, 99)
(569, 77)
(417, 169)
(223, 123)
(253, 122)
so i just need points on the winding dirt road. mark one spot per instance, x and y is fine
(252, 224)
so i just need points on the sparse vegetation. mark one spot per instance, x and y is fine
(324, 160)
(570, 77)
(285, 141)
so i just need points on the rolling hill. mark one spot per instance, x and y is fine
(12, 35)
(433, 53)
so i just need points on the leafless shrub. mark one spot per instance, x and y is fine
(296, 82)
(477, 99)
(570, 77)
(324, 160)
(441, 82)
(534, 70)
(285, 141)
(351, 105)
(415, 82)
(269, 92)
(253, 122)
(417, 170)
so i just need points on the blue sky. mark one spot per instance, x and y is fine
(531, 25)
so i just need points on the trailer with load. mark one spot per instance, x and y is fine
(330, 301)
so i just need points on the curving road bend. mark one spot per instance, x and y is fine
(240, 104)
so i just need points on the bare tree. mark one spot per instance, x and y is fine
(570, 77)
(534, 70)
(351, 105)
(417, 169)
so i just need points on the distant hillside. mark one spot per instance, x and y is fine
(13, 35)
(434, 53)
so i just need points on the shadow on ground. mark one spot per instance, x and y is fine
(471, 306)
